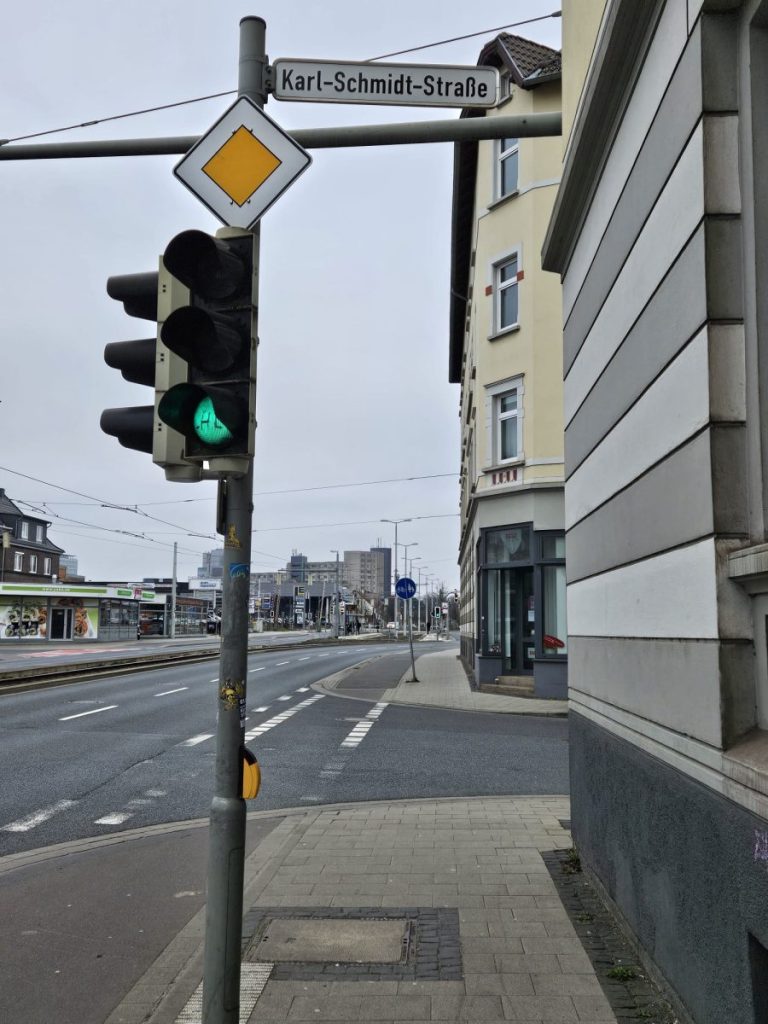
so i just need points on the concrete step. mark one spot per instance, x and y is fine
(510, 686)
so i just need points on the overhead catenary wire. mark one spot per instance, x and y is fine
(92, 122)
(282, 490)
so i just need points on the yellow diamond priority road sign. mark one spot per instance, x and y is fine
(242, 165)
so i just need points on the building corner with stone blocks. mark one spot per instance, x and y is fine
(657, 235)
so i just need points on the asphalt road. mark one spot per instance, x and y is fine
(100, 756)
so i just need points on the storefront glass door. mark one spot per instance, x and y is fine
(518, 621)
(61, 623)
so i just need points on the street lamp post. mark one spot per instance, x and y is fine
(410, 573)
(405, 547)
(336, 613)
(395, 523)
(419, 571)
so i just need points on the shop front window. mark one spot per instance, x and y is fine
(555, 636)
(493, 613)
(511, 544)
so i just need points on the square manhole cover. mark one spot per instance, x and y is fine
(331, 939)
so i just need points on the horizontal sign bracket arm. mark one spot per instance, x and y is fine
(472, 129)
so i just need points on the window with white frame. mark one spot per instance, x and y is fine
(24, 530)
(39, 533)
(505, 274)
(506, 167)
(46, 567)
(33, 563)
(18, 561)
(505, 421)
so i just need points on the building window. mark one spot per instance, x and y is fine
(24, 530)
(505, 294)
(18, 561)
(506, 179)
(33, 563)
(39, 534)
(554, 638)
(507, 426)
(47, 566)
(508, 544)
(504, 419)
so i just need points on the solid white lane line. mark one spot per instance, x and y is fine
(116, 818)
(166, 692)
(279, 719)
(37, 817)
(81, 714)
(201, 738)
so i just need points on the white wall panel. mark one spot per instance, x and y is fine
(678, 210)
(668, 43)
(674, 408)
(672, 595)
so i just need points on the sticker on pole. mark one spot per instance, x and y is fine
(242, 165)
(405, 588)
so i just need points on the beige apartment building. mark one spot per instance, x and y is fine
(506, 352)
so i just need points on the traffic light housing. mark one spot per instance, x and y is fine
(213, 334)
(149, 296)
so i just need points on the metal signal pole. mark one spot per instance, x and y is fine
(226, 865)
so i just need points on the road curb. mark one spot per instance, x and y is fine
(36, 677)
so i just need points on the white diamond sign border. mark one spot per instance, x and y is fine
(294, 160)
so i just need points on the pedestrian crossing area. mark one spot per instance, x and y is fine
(146, 804)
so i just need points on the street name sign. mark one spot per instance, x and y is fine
(419, 85)
(242, 165)
(405, 588)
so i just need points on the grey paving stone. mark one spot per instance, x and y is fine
(566, 984)
(554, 1009)
(528, 964)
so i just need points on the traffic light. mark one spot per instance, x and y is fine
(212, 333)
(149, 296)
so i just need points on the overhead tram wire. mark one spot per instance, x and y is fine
(91, 122)
(284, 490)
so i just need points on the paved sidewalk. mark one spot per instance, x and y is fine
(442, 682)
(480, 931)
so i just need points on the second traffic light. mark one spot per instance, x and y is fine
(213, 333)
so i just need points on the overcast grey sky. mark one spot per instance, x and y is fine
(354, 288)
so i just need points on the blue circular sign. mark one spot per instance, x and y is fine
(405, 587)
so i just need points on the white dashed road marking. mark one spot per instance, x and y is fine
(284, 662)
(117, 818)
(261, 669)
(94, 711)
(166, 692)
(362, 728)
(279, 719)
(38, 817)
(259, 710)
(303, 689)
(336, 765)
(194, 740)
